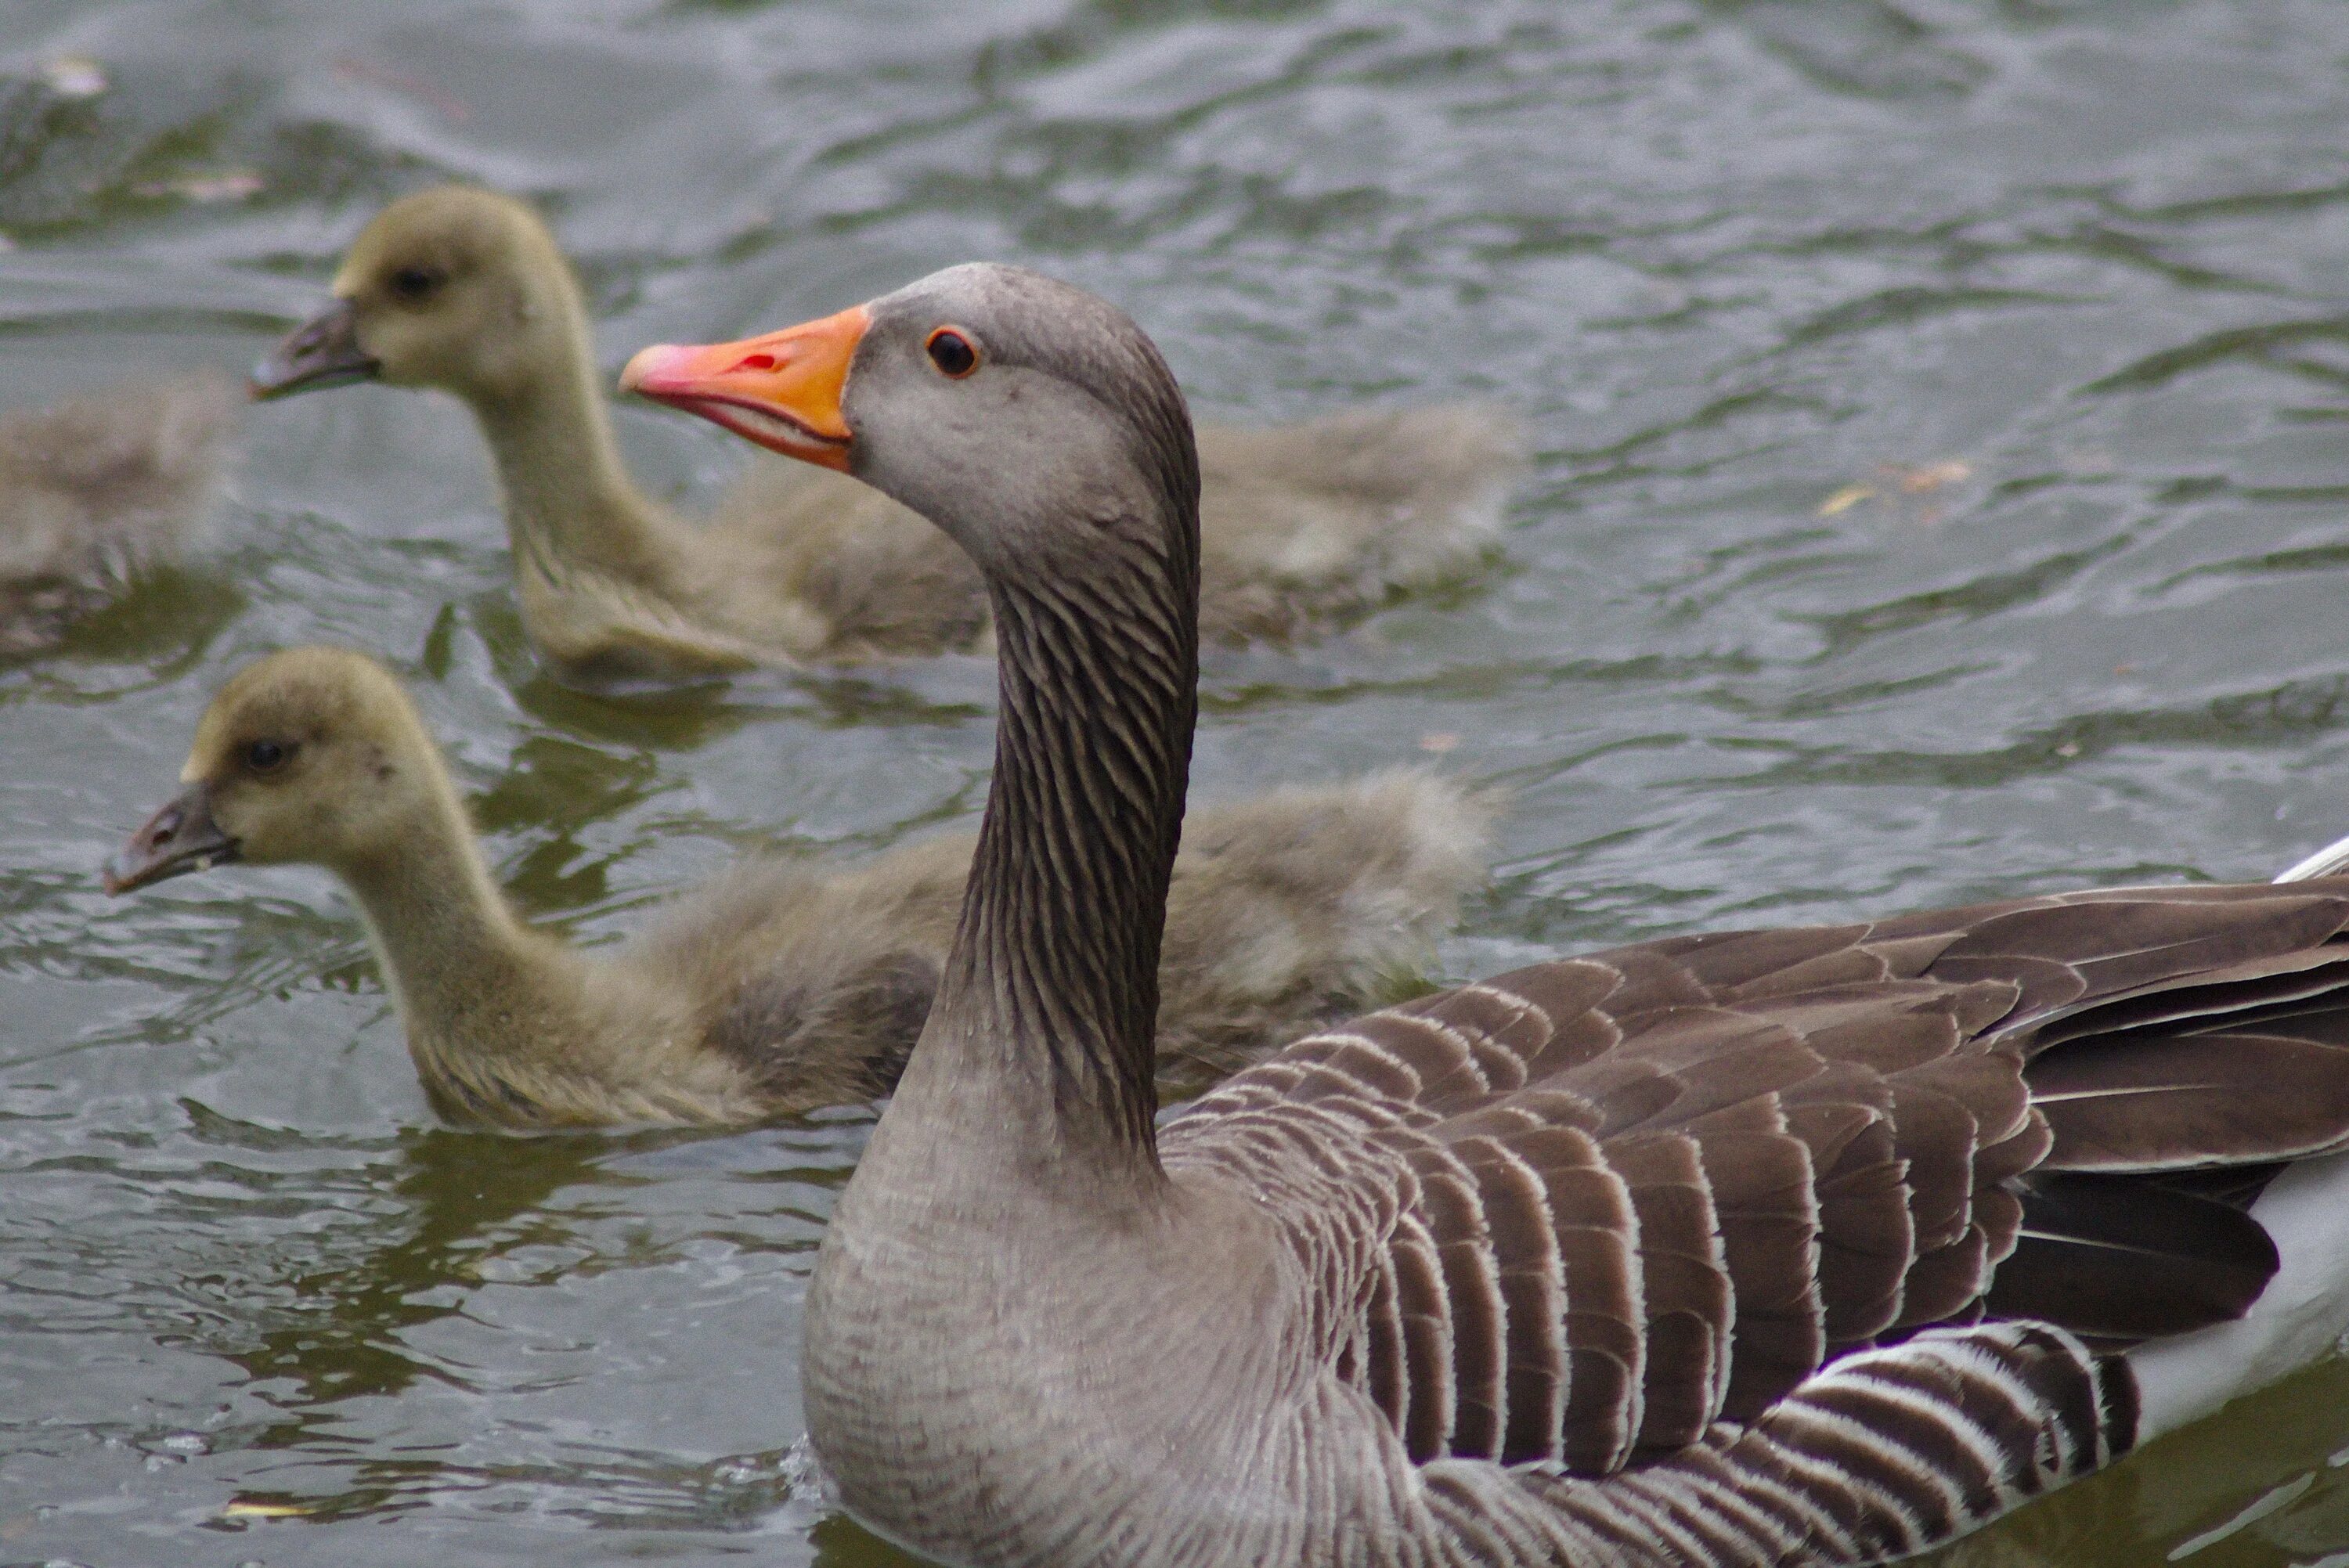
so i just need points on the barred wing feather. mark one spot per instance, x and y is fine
(1813, 1244)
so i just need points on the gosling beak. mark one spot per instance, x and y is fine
(323, 351)
(782, 391)
(177, 839)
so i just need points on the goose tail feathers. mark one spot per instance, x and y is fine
(1885, 1453)
(2191, 1215)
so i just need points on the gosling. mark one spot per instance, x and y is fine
(779, 988)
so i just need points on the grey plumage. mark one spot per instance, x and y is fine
(1745, 1248)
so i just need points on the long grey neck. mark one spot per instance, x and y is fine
(1051, 990)
(569, 501)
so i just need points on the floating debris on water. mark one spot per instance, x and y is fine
(1933, 476)
(75, 77)
(242, 1508)
(1893, 481)
(1844, 500)
(233, 186)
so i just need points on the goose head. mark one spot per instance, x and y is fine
(1033, 422)
(311, 756)
(1038, 428)
(456, 288)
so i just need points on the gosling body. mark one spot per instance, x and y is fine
(778, 986)
(1308, 526)
(97, 489)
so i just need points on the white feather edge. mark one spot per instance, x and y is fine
(2330, 860)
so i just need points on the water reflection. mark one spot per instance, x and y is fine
(1732, 260)
(459, 1198)
(161, 629)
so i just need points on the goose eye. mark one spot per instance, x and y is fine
(414, 282)
(951, 352)
(266, 756)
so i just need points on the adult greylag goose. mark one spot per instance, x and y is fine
(781, 987)
(1307, 526)
(1810, 1245)
(98, 488)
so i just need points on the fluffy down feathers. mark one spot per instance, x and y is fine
(1369, 504)
(1286, 910)
(95, 490)
(781, 985)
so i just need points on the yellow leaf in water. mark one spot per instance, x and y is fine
(244, 1510)
(1933, 476)
(1845, 499)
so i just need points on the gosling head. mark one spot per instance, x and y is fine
(313, 755)
(1033, 421)
(458, 288)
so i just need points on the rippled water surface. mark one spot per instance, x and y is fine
(1940, 493)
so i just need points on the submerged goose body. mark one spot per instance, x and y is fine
(1308, 526)
(98, 488)
(780, 986)
(1801, 1246)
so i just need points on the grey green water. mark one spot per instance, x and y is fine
(1942, 491)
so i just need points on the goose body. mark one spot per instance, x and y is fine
(1817, 1246)
(95, 488)
(780, 986)
(1307, 527)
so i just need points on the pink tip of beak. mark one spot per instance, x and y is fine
(663, 367)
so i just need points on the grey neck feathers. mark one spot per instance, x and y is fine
(1053, 976)
(569, 501)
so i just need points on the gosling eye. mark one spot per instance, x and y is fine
(414, 284)
(267, 755)
(952, 353)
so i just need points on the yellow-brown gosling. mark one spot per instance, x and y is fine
(98, 488)
(1307, 526)
(778, 986)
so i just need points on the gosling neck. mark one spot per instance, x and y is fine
(569, 502)
(1049, 1002)
(461, 966)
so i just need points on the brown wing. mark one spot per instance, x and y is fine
(1581, 1212)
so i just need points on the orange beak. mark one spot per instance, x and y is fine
(782, 391)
